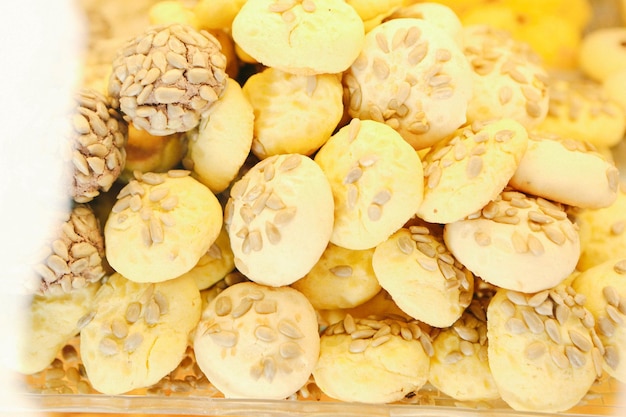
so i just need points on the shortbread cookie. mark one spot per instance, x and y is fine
(342, 278)
(255, 341)
(160, 226)
(293, 113)
(566, 170)
(542, 353)
(602, 232)
(440, 15)
(461, 350)
(579, 109)
(516, 242)
(282, 34)
(279, 219)
(603, 52)
(508, 77)
(373, 361)
(215, 264)
(423, 277)
(470, 168)
(377, 182)
(604, 287)
(413, 76)
(220, 144)
(48, 322)
(138, 333)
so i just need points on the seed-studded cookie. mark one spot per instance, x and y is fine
(508, 77)
(603, 52)
(439, 14)
(423, 277)
(566, 170)
(604, 286)
(293, 113)
(517, 242)
(215, 264)
(282, 34)
(373, 361)
(413, 76)
(542, 351)
(160, 226)
(255, 341)
(342, 278)
(219, 146)
(470, 168)
(461, 349)
(279, 219)
(376, 179)
(138, 332)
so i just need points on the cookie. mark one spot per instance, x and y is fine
(283, 34)
(138, 333)
(160, 226)
(215, 264)
(279, 219)
(604, 287)
(423, 277)
(603, 52)
(372, 361)
(217, 14)
(342, 278)
(466, 171)
(613, 85)
(516, 242)
(373, 12)
(255, 341)
(440, 15)
(412, 76)
(220, 144)
(541, 351)
(376, 179)
(508, 78)
(566, 170)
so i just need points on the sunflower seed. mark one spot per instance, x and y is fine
(224, 338)
(108, 347)
(553, 330)
(289, 329)
(535, 350)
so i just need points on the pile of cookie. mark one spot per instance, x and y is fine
(406, 193)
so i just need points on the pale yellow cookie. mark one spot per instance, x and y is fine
(138, 333)
(293, 113)
(279, 219)
(372, 361)
(373, 12)
(440, 15)
(255, 341)
(294, 36)
(342, 278)
(604, 287)
(48, 322)
(541, 351)
(377, 182)
(160, 226)
(220, 144)
(509, 80)
(516, 242)
(603, 232)
(470, 168)
(423, 277)
(614, 85)
(215, 264)
(603, 52)
(568, 171)
(216, 14)
(413, 76)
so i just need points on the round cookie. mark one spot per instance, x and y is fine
(423, 278)
(138, 333)
(516, 242)
(220, 144)
(342, 278)
(580, 110)
(372, 361)
(413, 76)
(215, 264)
(509, 80)
(603, 52)
(542, 352)
(438, 14)
(373, 12)
(255, 341)
(470, 168)
(614, 85)
(160, 226)
(279, 219)
(604, 287)
(282, 34)
(376, 179)
(217, 14)
(566, 170)
(461, 349)
(603, 232)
